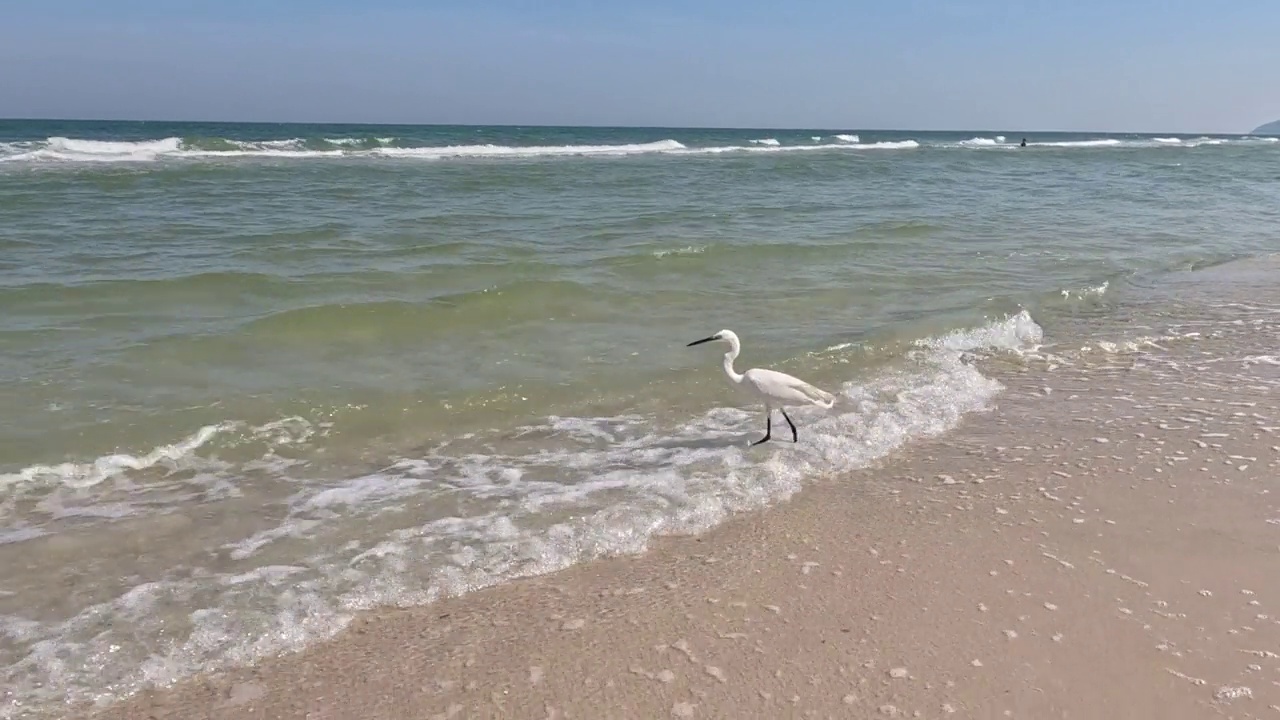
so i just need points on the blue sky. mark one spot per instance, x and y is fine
(1127, 65)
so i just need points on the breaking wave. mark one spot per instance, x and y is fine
(72, 150)
(563, 490)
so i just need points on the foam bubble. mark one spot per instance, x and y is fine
(848, 138)
(772, 142)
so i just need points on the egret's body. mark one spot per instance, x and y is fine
(773, 388)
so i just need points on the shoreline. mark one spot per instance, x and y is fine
(1096, 555)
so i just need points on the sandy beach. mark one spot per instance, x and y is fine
(1101, 544)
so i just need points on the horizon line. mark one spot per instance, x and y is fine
(608, 127)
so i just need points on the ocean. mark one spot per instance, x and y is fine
(258, 378)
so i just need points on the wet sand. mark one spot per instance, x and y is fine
(1103, 544)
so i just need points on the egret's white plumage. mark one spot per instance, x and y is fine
(773, 388)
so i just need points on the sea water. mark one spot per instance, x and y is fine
(257, 378)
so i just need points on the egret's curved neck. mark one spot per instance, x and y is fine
(729, 357)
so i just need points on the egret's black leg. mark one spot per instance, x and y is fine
(768, 428)
(795, 437)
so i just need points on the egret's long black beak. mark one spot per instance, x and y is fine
(703, 340)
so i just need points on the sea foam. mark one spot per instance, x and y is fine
(983, 142)
(70, 150)
(483, 151)
(88, 474)
(591, 487)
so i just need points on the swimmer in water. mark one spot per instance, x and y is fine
(1024, 142)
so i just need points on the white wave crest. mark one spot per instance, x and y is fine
(1096, 291)
(1105, 142)
(288, 144)
(1206, 141)
(482, 151)
(687, 250)
(179, 455)
(88, 474)
(983, 142)
(248, 150)
(888, 145)
(1018, 333)
(104, 147)
(1155, 142)
(349, 141)
(62, 149)
(69, 149)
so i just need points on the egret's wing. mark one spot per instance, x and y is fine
(784, 388)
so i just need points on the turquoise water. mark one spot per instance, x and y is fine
(258, 377)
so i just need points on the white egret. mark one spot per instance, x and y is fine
(773, 388)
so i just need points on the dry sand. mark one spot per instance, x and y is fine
(1103, 548)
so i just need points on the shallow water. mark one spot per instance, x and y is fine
(257, 378)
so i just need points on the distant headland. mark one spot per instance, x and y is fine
(1271, 128)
